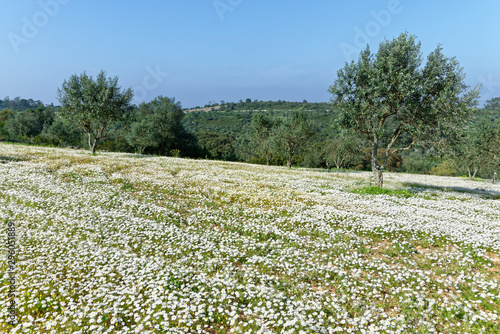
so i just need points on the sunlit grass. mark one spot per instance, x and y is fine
(374, 190)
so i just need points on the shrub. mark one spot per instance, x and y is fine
(446, 168)
(418, 164)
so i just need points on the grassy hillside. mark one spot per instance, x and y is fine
(237, 122)
(234, 118)
(126, 243)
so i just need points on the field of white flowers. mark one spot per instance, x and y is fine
(123, 243)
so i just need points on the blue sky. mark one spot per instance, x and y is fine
(211, 50)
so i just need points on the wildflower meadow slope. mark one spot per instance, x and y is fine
(124, 243)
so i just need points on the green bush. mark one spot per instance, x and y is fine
(418, 164)
(312, 160)
(446, 168)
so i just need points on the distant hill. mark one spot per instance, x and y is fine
(187, 111)
(18, 104)
(250, 105)
(235, 118)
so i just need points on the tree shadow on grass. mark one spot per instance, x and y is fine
(7, 159)
(483, 193)
(136, 155)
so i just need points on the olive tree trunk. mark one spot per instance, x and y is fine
(473, 175)
(268, 159)
(378, 177)
(92, 143)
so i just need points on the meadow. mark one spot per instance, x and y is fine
(125, 243)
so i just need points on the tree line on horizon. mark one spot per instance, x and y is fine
(390, 110)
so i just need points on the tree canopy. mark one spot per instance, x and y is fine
(394, 101)
(262, 131)
(477, 149)
(94, 104)
(293, 133)
(156, 126)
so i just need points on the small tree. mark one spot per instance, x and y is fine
(94, 104)
(343, 151)
(219, 146)
(464, 151)
(487, 135)
(395, 102)
(62, 133)
(477, 149)
(156, 126)
(263, 135)
(292, 134)
(143, 134)
(244, 147)
(495, 153)
(25, 124)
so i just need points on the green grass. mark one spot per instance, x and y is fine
(373, 190)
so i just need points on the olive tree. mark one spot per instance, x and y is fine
(293, 133)
(263, 130)
(24, 124)
(94, 104)
(342, 151)
(477, 149)
(156, 127)
(395, 100)
(488, 134)
(143, 134)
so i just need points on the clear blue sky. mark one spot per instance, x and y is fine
(204, 50)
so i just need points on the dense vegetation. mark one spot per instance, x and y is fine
(396, 100)
(389, 111)
(19, 104)
(226, 135)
